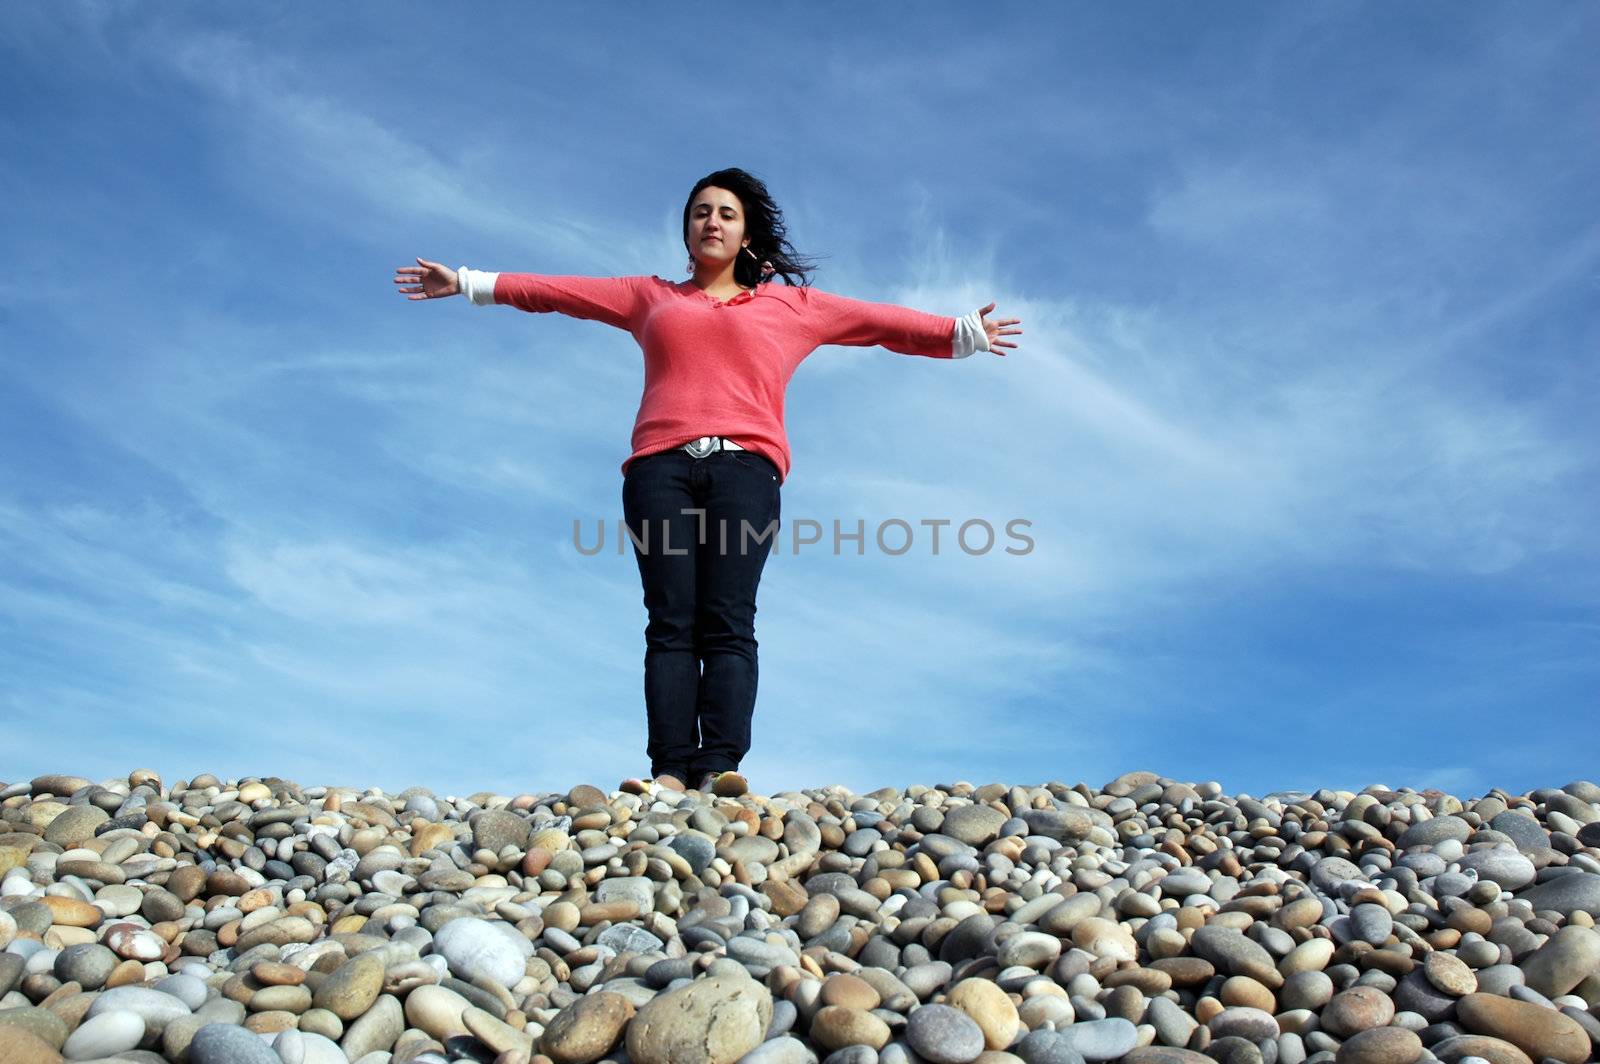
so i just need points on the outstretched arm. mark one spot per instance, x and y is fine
(608, 299)
(856, 323)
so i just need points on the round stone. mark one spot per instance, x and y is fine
(1478, 1047)
(353, 986)
(990, 1008)
(76, 826)
(437, 1010)
(21, 1046)
(88, 965)
(1566, 894)
(1231, 952)
(588, 1029)
(1380, 1045)
(295, 999)
(717, 1017)
(1255, 1025)
(1540, 1032)
(1449, 974)
(820, 913)
(496, 829)
(474, 949)
(377, 1030)
(1502, 865)
(975, 825)
(1105, 1039)
(783, 1050)
(837, 1027)
(944, 1035)
(1358, 1009)
(1570, 956)
(104, 1035)
(1312, 955)
(154, 1007)
(1029, 949)
(224, 1043)
(851, 991)
(1371, 923)
(189, 989)
(1242, 990)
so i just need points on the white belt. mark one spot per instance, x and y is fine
(709, 444)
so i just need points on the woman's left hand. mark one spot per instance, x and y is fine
(997, 328)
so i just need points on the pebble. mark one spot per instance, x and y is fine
(1540, 1032)
(589, 1029)
(1255, 1025)
(1449, 974)
(1139, 921)
(718, 1017)
(475, 949)
(1570, 955)
(104, 1035)
(1105, 1039)
(223, 1043)
(1381, 1045)
(1358, 1009)
(89, 965)
(350, 989)
(944, 1035)
(989, 1007)
(155, 1008)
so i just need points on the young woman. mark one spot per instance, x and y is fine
(700, 489)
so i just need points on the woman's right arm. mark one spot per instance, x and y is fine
(612, 300)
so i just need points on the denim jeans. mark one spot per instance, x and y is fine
(700, 573)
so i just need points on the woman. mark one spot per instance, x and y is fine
(700, 490)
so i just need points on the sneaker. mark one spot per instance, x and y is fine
(724, 784)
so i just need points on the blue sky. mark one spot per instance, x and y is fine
(1303, 418)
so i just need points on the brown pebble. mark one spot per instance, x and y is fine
(270, 1022)
(1242, 990)
(1148, 981)
(850, 991)
(1360, 1008)
(127, 973)
(836, 1026)
(1539, 1032)
(1449, 974)
(271, 973)
(1466, 918)
(1185, 971)
(1380, 1045)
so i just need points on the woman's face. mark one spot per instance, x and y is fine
(716, 227)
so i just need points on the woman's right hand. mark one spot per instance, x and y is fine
(428, 280)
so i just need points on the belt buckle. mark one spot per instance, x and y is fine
(703, 446)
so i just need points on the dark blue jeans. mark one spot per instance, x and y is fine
(700, 572)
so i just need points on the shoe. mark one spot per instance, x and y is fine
(634, 785)
(724, 784)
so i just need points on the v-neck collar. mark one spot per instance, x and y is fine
(743, 297)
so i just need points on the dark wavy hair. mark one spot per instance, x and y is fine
(771, 254)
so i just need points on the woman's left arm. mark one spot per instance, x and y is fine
(838, 319)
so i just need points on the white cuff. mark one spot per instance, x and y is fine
(477, 285)
(969, 336)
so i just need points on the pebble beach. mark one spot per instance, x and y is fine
(1146, 920)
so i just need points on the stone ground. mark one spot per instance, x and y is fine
(1149, 920)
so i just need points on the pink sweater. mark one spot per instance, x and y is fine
(714, 368)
